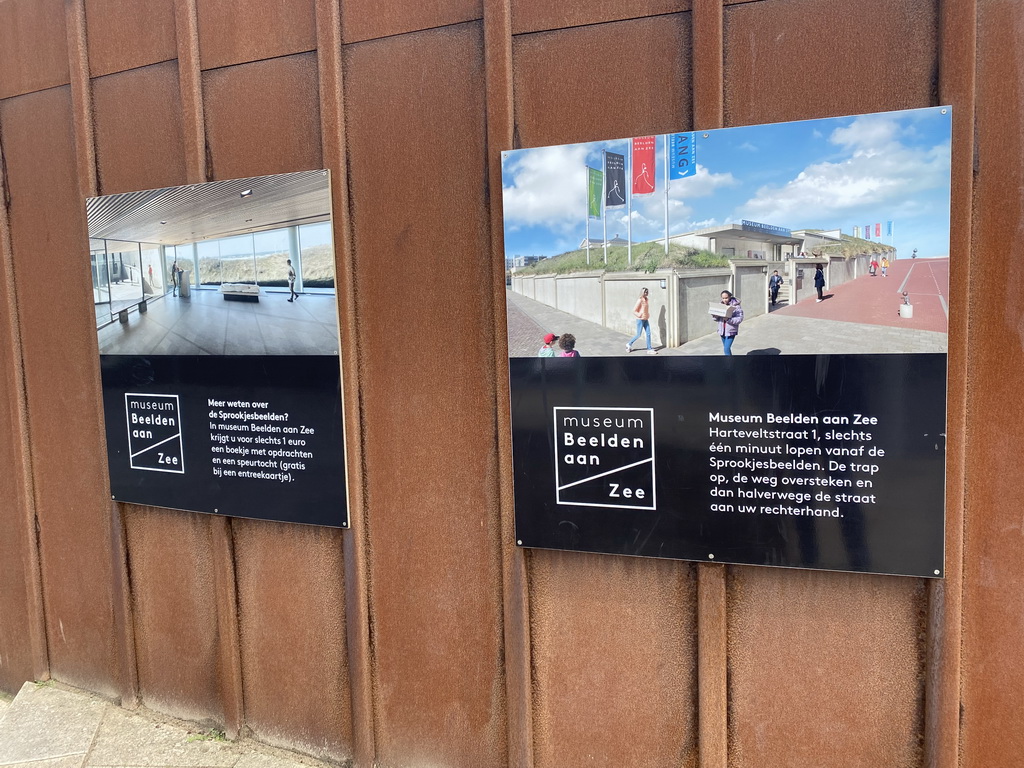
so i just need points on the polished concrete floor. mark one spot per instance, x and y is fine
(206, 323)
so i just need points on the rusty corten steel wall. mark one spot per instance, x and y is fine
(422, 636)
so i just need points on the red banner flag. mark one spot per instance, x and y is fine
(643, 165)
(878, 230)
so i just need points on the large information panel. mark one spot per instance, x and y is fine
(216, 316)
(746, 363)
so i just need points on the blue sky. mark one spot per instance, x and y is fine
(832, 173)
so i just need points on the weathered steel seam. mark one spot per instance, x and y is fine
(943, 683)
(712, 606)
(354, 541)
(25, 476)
(517, 669)
(84, 130)
(198, 168)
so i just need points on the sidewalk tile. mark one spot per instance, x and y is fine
(45, 722)
(130, 740)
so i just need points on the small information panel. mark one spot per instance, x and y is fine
(747, 363)
(216, 316)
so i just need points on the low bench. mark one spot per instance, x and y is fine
(240, 292)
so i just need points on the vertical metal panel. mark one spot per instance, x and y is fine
(291, 591)
(824, 669)
(993, 687)
(614, 661)
(371, 19)
(175, 607)
(957, 74)
(263, 118)
(798, 59)
(538, 15)
(139, 142)
(22, 633)
(34, 49)
(777, 68)
(354, 599)
(238, 31)
(48, 233)
(124, 37)
(569, 89)
(418, 185)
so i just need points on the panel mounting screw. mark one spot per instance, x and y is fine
(944, 111)
(705, 135)
(217, 511)
(519, 542)
(712, 557)
(937, 571)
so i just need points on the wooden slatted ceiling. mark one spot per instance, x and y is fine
(215, 209)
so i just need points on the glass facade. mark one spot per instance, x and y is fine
(125, 273)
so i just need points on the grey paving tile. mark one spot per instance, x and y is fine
(127, 739)
(71, 761)
(260, 760)
(45, 722)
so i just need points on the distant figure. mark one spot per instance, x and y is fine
(642, 313)
(174, 278)
(151, 275)
(873, 266)
(729, 326)
(291, 281)
(548, 350)
(774, 283)
(568, 344)
(885, 266)
(819, 281)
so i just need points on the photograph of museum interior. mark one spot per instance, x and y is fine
(238, 267)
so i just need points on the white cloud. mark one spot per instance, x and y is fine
(879, 175)
(548, 188)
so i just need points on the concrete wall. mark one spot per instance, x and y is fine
(696, 290)
(424, 636)
(751, 288)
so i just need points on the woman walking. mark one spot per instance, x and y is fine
(642, 313)
(729, 323)
(819, 281)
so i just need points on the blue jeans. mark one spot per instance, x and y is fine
(727, 344)
(641, 326)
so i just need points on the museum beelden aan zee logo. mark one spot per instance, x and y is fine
(604, 457)
(154, 432)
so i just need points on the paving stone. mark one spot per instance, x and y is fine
(45, 722)
(127, 739)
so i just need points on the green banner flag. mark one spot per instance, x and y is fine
(595, 187)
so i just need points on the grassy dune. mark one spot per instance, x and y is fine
(272, 269)
(647, 257)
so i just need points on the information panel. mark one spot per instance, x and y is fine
(752, 369)
(216, 316)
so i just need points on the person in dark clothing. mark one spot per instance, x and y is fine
(819, 280)
(774, 283)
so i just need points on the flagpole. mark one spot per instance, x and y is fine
(666, 194)
(629, 206)
(586, 205)
(604, 204)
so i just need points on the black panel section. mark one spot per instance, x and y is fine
(832, 462)
(246, 436)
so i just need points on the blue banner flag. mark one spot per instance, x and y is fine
(888, 225)
(682, 155)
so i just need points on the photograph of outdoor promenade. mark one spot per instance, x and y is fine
(236, 267)
(826, 236)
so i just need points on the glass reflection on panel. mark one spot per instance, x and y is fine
(236, 260)
(100, 280)
(124, 270)
(316, 256)
(272, 249)
(208, 256)
(152, 271)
